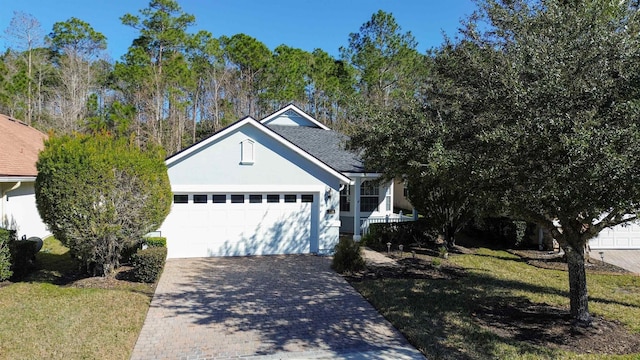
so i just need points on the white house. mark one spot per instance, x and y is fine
(281, 185)
(19, 148)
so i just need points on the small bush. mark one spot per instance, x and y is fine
(148, 263)
(157, 241)
(23, 255)
(5, 254)
(347, 256)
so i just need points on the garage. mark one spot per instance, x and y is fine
(214, 224)
(618, 237)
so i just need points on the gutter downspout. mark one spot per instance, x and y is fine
(2, 201)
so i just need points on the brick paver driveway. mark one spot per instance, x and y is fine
(291, 307)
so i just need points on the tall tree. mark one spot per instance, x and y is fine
(387, 62)
(288, 77)
(249, 58)
(543, 98)
(25, 34)
(77, 46)
(331, 84)
(157, 60)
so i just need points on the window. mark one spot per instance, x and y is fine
(369, 197)
(273, 198)
(199, 199)
(247, 152)
(237, 199)
(307, 198)
(345, 199)
(255, 199)
(180, 199)
(219, 199)
(289, 198)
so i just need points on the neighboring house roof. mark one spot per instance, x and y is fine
(20, 145)
(326, 145)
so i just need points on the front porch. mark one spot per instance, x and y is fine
(367, 201)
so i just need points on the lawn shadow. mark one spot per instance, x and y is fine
(485, 317)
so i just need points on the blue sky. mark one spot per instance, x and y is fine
(305, 24)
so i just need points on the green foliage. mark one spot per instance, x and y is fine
(347, 257)
(99, 195)
(148, 263)
(404, 233)
(23, 256)
(155, 241)
(5, 253)
(501, 231)
(387, 63)
(77, 37)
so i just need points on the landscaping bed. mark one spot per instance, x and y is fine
(485, 304)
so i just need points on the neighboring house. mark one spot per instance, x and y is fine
(282, 185)
(617, 237)
(19, 148)
(401, 196)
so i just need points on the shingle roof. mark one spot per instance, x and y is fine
(327, 146)
(19, 147)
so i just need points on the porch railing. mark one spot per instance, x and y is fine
(391, 218)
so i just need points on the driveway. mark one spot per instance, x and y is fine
(626, 259)
(270, 307)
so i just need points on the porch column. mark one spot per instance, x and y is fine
(356, 208)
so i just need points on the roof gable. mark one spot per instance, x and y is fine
(20, 145)
(192, 150)
(291, 115)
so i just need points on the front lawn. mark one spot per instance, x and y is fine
(54, 315)
(503, 308)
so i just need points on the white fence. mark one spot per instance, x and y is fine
(391, 218)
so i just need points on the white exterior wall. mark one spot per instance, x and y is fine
(276, 169)
(274, 164)
(19, 206)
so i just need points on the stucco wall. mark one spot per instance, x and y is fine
(19, 207)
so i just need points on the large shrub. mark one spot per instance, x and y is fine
(99, 195)
(148, 263)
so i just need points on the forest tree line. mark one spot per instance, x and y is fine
(174, 87)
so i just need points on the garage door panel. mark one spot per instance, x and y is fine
(618, 237)
(196, 230)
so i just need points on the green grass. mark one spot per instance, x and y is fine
(41, 320)
(437, 316)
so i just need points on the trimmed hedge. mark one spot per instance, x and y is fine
(148, 263)
(157, 241)
(403, 233)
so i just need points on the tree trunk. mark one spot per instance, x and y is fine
(449, 236)
(578, 295)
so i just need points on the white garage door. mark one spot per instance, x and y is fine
(618, 237)
(202, 225)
